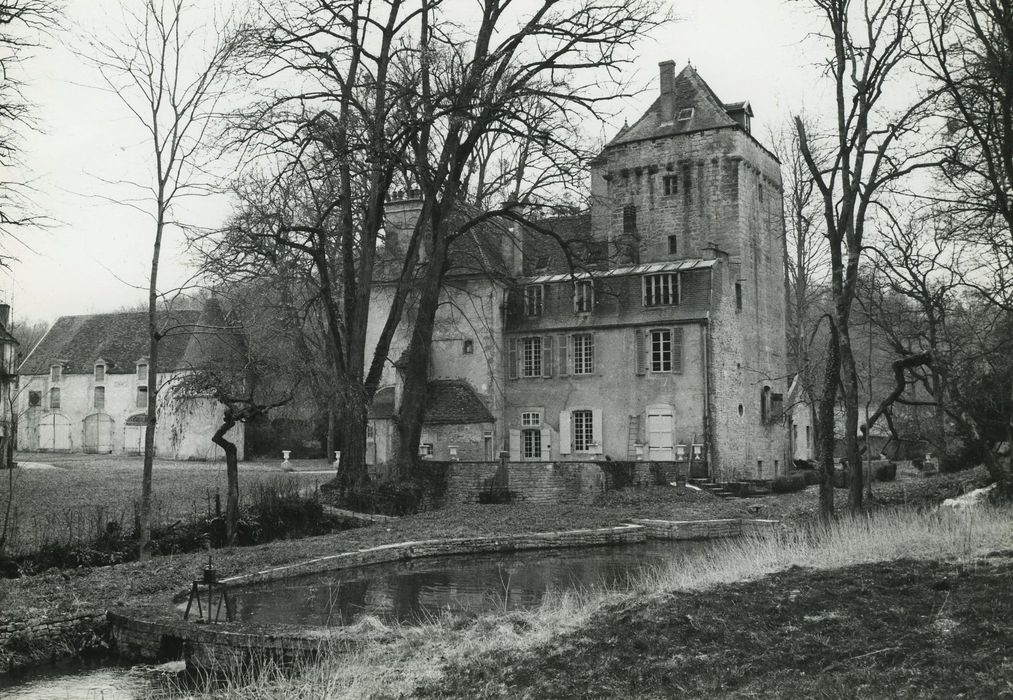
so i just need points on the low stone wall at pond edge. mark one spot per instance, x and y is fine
(24, 644)
(163, 639)
(540, 482)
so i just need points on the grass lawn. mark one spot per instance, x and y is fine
(79, 493)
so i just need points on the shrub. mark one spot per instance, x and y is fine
(885, 471)
(788, 484)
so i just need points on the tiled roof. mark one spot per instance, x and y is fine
(690, 92)
(454, 401)
(121, 339)
(449, 401)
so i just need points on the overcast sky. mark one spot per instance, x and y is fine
(95, 255)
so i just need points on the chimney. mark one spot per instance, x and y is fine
(400, 217)
(5, 315)
(667, 70)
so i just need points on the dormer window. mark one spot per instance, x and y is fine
(685, 114)
(100, 372)
(533, 296)
(55, 373)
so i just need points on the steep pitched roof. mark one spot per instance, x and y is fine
(690, 91)
(450, 401)
(454, 401)
(543, 253)
(121, 339)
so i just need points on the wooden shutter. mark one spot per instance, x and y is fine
(565, 442)
(598, 439)
(515, 446)
(546, 445)
(547, 356)
(639, 353)
(564, 359)
(677, 350)
(513, 358)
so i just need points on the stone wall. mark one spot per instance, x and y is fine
(26, 643)
(525, 482)
(704, 529)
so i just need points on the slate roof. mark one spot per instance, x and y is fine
(120, 339)
(690, 90)
(543, 253)
(454, 401)
(449, 402)
(382, 406)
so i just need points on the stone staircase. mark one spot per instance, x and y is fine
(732, 489)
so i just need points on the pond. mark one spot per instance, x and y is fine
(403, 592)
(417, 590)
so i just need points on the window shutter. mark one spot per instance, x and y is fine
(546, 445)
(515, 446)
(576, 288)
(564, 359)
(678, 288)
(639, 353)
(512, 358)
(643, 290)
(677, 350)
(596, 429)
(565, 443)
(594, 351)
(547, 356)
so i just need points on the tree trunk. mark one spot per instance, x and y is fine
(231, 476)
(352, 472)
(849, 379)
(824, 427)
(416, 369)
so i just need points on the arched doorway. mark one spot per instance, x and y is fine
(98, 433)
(54, 432)
(133, 434)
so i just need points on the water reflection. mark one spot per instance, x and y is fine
(408, 592)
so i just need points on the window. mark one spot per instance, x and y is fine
(34, 398)
(531, 362)
(661, 350)
(583, 353)
(370, 431)
(685, 114)
(671, 184)
(142, 397)
(100, 397)
(54, 397)
(531, 443)
(759, 191)
(583, 296)
(662, 290)
(469, 347)
(808, 435)
(531, 419)
(738, 296)
(100, 373)
(583, 431)
(776, 407)
(533, 300)
(55, 373)
(426, 449)
(673, 245)
(765, 409)
(142, 372)
(630, 219)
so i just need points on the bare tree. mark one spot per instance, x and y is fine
(969, 56)
(870, 46)
(22, 24)
(530, 79)
(167, 69)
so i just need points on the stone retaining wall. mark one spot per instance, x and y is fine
(527, 482)
(703, 529)
(22, 642)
